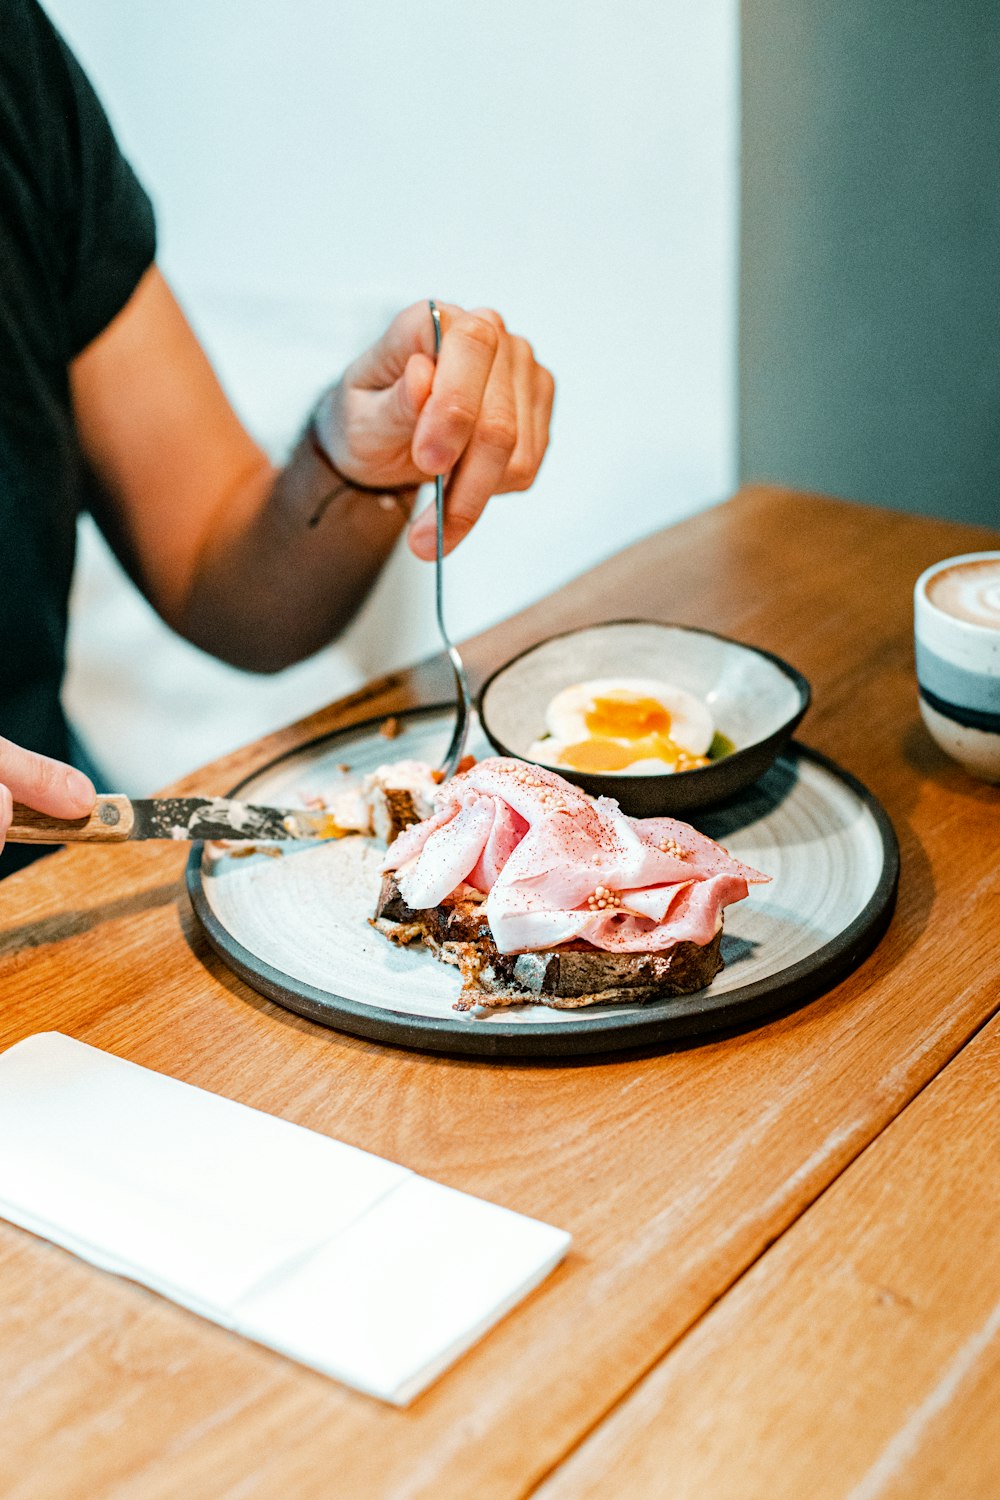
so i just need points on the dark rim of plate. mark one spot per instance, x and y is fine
(800, 683)
(698, 1015)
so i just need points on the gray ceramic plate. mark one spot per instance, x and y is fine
(756, 700)
(296, 929)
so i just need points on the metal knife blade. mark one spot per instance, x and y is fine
(196, 818)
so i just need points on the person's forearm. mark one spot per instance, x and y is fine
(220, 543)
(289, 564)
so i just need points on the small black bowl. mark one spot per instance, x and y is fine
(755, 699)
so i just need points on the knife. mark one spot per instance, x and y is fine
(116, 819)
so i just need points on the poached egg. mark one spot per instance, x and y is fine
(637, 725)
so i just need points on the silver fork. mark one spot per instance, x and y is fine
(464, 703)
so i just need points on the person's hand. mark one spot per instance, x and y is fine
(480, 414)
(49, 786)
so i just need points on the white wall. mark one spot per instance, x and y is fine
(318, 163)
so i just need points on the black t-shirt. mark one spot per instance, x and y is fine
(76, 235)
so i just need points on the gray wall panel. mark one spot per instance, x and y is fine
(870, 260)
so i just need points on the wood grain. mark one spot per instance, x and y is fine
(111, 822)
(672, 1171)
(859, 1359)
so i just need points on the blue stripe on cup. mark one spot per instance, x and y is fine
(965, 690)
(969, 718)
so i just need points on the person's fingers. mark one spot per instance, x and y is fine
(545, 395)
(391, 415)
(416, 386)
(410, 332)
(533, 386)
(368, 433)
(482, 466)
(6, 812)
(49, 786)
(453, 410)
(479, 413)
(379, 422)
(383, 363)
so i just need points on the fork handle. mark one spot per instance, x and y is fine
(456, 749)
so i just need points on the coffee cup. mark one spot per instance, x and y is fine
(956, 605)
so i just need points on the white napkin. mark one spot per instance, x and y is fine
(333, 1256)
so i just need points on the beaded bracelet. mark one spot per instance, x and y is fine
(388, 496)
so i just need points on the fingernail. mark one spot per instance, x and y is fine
(80, 790)
(434, 459)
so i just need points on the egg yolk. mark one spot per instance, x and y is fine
(623, 729)
(626, 717)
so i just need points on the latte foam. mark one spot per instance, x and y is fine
(969, 591)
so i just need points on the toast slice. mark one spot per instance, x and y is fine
(385, 801)
(567, 977)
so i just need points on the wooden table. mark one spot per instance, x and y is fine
(785, 1278)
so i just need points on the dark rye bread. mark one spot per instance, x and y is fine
(393, 809)
(566, 977)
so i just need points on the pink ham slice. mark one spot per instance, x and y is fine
(468, 839)
(408, 844)
(693, 917)
(448, 857)
(526, 793)
(531, 791)
(506, 833)
(541, 849)
(708, 854)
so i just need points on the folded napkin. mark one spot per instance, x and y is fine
(348, 1263)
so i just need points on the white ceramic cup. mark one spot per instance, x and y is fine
(958, 673)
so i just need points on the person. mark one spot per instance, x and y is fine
(108, 403)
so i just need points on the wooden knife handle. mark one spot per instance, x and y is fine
(110, 823)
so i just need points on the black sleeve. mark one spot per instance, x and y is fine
(108, 237)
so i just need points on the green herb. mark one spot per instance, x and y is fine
(721, 745)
